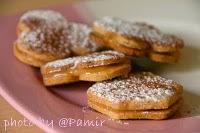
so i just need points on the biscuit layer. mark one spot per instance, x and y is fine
(140, 91)
(164, 57)
(92, 67)
(136, 39)
(79, 41)
(115, 45)
(139, 32)
(91, 60)
(31, 57)
(47, 32)
(87, 74)
(127, 41)
(135, 114)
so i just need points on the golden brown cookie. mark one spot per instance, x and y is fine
(133, 38)
(152, 92)
(46, 32)
(93, 67)
(29, 56)
(167, 44)
(138, 32)
(39, 18)
(42, 33)
(79, 41)
(137, 114)
(165, 57)
(125, 40)
(98, 38)
(142, 91)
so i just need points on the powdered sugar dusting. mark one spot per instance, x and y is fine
(97, 56)
(51, 32)
(139, 30)
(79, 37)
(140, 86)
(46, 39)
(47, 33)
(47, 17)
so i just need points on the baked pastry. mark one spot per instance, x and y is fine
(79, 41)
(46, 35)
(135, 38)
(42, 37)
(97, 66)
(165, 57)
(139, 96)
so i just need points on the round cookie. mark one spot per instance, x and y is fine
(46, 35)
(41, 43)
(42, 37)
(34, 19)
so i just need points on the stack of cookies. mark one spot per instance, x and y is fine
(137, 39)
(139, 96)
(46, 35)
(69, 52)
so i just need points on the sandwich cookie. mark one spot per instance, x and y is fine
(135, 38)
(46, 35)
(141, 95)
(97, 66)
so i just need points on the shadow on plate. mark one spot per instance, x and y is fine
(190, 60)
(190, 107)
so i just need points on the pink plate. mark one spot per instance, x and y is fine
(21, 85)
